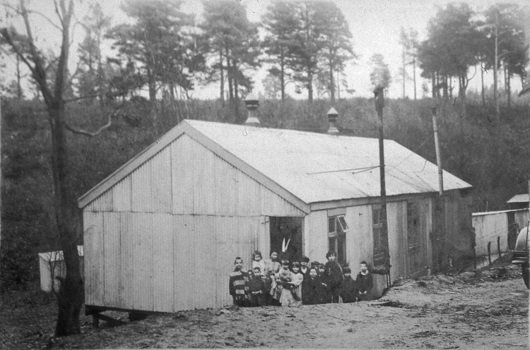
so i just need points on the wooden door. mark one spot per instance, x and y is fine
(415, 249)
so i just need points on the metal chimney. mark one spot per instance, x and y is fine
(333, 115)
(252, 104)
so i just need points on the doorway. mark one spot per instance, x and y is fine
(286, 237)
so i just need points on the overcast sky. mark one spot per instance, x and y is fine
(374, 24)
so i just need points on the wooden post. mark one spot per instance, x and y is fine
(379, 104)
(1, 169)
(489, 253)
(440, 240)
(499, 246)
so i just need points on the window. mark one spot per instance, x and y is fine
(337, 228)
(377, 232)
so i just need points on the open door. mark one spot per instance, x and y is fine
(286, 237)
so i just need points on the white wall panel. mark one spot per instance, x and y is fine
(111, 252)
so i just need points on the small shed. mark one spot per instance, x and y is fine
(519, 201)
(162, 231)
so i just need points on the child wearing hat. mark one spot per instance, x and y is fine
(348, 290)
(334, 276)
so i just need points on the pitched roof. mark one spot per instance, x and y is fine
(519, 198)
(312, 167)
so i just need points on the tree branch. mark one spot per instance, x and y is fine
(38, 70)
(46, 18)
(98, 131)
(58, 13)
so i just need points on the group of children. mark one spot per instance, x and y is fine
(281, 282)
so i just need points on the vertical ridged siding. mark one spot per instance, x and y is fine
(164, 238)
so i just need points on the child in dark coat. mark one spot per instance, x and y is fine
(311, 288)
(334, 276)
(257, 288)
(364, 282)
(323, 289)
(348, 290)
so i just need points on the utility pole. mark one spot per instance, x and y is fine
(379, 101)
(440, 239)
(1, 172)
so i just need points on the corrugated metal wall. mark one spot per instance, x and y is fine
(164, 238)
(397, 238)
(359, 238)
(458, 226)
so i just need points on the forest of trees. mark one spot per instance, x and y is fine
(82, 123)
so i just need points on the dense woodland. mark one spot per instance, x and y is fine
(78, 125)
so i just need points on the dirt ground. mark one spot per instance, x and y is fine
(486, 310)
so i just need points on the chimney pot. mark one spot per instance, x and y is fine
(252, 103)
(333, 115)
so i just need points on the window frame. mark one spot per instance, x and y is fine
(338, 234)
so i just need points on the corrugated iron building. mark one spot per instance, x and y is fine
(161, 233)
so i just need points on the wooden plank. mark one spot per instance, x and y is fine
(142, 261)
(203, 262)
(316, 229)
(226, 228)
(247, 169)
(122, 195)
(182, 176)
(132, 164)
(161, 183)
(141, 189)
(93, 255)
(184, 256)
(264, 237)
(359, 239)
(111, 260)
(126, 278)
(394, 236)
(103, 202)
(163, 273)
(429, 232)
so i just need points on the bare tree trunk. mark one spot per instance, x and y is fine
(152, 87)
(310, 84)
(414, 76)
(230, 77)
(221, 69)
(236, 100)
(19, 87)
(403, 70)
(482, 84)
(507, 87)
(282, 73)
(70, 298)
(331, 81)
